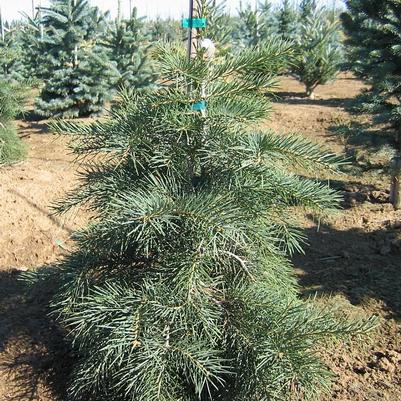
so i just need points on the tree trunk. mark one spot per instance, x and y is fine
(310, 92)
(395, 196)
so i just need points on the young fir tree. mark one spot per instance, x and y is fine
(286, 21)
(255, 24)
(307, 9)
(11, 53)
(33, 55)
(220, 24)
(266, 10)
(164, 30)
(11, 103)
(128, 47)
(75, 69)
(372, 29)
(318, 54)
(180, 288)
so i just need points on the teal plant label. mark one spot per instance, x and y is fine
(199, 106)
(194, 23)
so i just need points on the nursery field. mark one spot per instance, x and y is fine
(355, 256)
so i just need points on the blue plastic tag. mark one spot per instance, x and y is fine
(188, 23)
(199, 106)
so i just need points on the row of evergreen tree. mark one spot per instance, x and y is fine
(180, 288)
(78, 55)
(82, 56)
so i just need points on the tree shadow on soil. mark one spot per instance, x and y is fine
(43, 211)
(355, 192)
(30, 115)
(361, 134)
(357, 263)
(36, 128)
(33, 356)
(297, 98)
(37, 124)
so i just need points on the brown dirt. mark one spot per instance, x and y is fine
(354, 256)
(30, 236)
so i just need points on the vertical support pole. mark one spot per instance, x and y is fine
(130, 9)
(194, 37)
(195, 11)
(1, 25)
(195, 8)
(33, 9)
(118, 11)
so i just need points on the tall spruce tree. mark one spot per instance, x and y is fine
(180, 288)
(129, 48)
(11, 53)
(167, 30)
(12, 99)
(266, 10)
(307, 8)
(255, 24)
(248, 30)
(76, 70)
(286, 20)
(33, 56)
(318, 54)
(221, 25)
(372, 29)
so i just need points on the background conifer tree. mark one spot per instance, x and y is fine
(372, 29)
(11, 104)
(128, 47)
(266, 10)
(286, 20)
(167, 30)
(75, 68)
(11, 53)
(22, 53)
(255, 24)
(248, 29)
(307, 8)
(33, 55)
(221, 25)
(180, 288)
(318, 54)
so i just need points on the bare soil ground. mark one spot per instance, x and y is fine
(354, 256)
